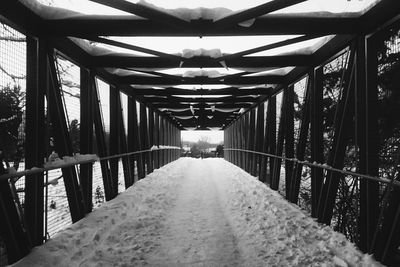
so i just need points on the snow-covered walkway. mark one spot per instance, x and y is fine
(196, 212)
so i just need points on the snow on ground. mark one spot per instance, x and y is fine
(196, 212)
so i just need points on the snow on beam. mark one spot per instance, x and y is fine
(187, 106)
(133, 47)
(227, 91)
(254, 12)
(201, 62)
(269, 46)
(145, 12)
(228, 99)
(139, 80)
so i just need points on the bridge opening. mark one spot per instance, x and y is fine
(96, 95)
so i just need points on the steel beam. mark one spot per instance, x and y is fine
(15, 238)
(367, 138)
(302, 141)
(127, 165)
(342, 124)
(317, 146)
(133, 136)
(63, 143)
(36, 83)
(114, 141)
(289, 138)
(271, 133)
(101, 141)
(86, 137)
(279, 145)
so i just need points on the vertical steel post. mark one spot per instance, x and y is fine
(289, 137)
(156, 138)
(317, 147)
(260, 136)
(302, 142)
(342, 124)
(36, 83)
(264, 146)
(114, 142)
(133, 135)
(279, 146)
(86, 138)
(161, 141)
(367, 138)
(246, 140)
(126, 162)
(151, 139)
(251, 139)
(144, 138)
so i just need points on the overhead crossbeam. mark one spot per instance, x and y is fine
(141, 80)
(202, 105)
(204, 112)
(145, 12)
(134, 48)
(254, 12)
(226, 91)
(228, 99)
(200, 62)
(269, 47)
(92, 25)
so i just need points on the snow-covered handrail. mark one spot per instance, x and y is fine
(63, 164)
(322, 166)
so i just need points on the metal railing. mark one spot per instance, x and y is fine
(37, 170)
(322, 166)
(56, 219)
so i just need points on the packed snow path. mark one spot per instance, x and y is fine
(196, 212)
(197, 232)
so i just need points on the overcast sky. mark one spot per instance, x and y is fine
(216, 137)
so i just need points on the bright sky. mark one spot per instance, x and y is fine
(334, 6)
(216, 137)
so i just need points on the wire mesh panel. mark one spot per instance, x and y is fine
(388, 54)
(98, 186)
(104, 95)
(279, 103)
(300, 89)
(12, 109)
(98, 183)
(56, 204)
(388, 101)
(299, 98)
(121, 180)
(69, 76)
(124, 107)
(58, 214)
(346, 210)
(279, 98)
(333, 73)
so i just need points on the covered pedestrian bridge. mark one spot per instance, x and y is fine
(94, 95)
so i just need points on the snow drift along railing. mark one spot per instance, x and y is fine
(69, 163)
(322, 166)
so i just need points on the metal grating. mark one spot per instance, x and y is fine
(12, 108)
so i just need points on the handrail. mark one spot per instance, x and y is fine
(322, 166)
(36, 170)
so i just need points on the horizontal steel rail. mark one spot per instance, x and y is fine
(36, 170)
(322, 166)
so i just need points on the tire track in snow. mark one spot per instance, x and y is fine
(197, 232)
